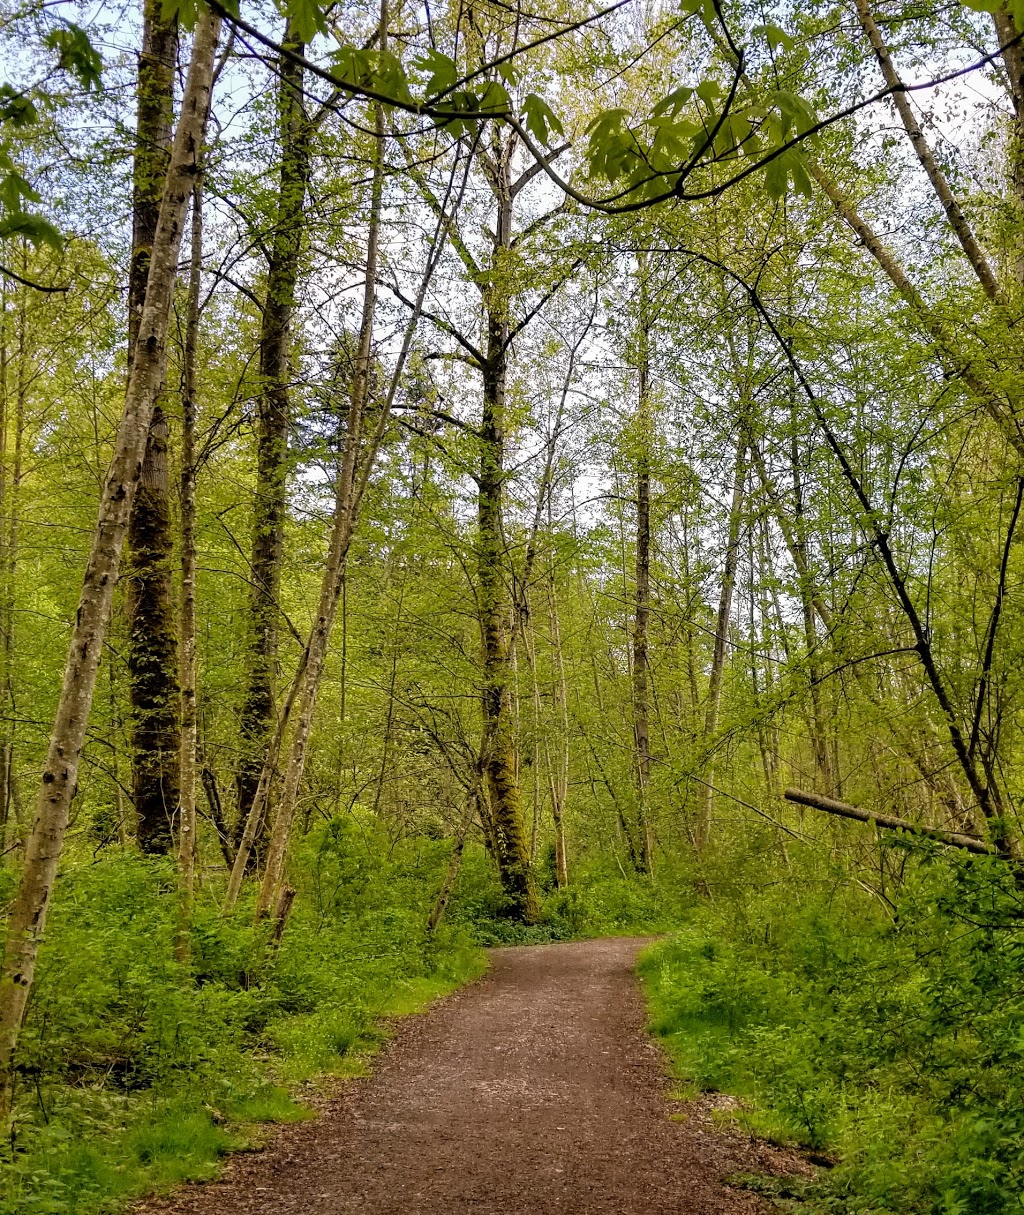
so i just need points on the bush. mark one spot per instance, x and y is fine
(136, 1072)
(891, 1042)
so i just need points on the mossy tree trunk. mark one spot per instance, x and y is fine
(152, 637)
(273, 420)
(499, 739)
(27, 920)
(642, 584)
(189, 723)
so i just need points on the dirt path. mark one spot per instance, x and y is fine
(531, 1092)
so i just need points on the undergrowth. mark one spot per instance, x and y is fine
(889, 1042)
(599, 902)
(136, 1072)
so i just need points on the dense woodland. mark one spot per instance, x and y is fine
(493, 474)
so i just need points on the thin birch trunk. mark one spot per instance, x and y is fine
(148, 369)
(1004, 410)
(530, 642)
(954, 213)
(1013, 61)
(452, 871)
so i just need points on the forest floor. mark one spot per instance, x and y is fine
(533, 1091)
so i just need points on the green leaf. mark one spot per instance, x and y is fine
(673, 103)
(14, 189)
(776, 177)
(388, 77)
(15, 108)
(32, 227)
(541, 121)
(307, 19)
(442, 71)
(495, 99)
(183, 11)
(708, 91)
(775, 36)
(801, 178)
(76, 54)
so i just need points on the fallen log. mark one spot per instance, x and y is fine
(844, 810)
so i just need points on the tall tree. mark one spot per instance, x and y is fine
(273, 419)
(146, 376)
(642, 582)
(152, 646)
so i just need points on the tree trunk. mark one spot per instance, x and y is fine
(1013, 60)
(152, 648)
(642, 586)
(152, 641)
(1002, 406)
(558, 771)
(187, 782)
(349, 494)
(257, 711)
(714, 699)
(10, 485)
(499, 743)
(145, 379)
(901, 100)
(819, 731)
(345, 507)
(451, 872)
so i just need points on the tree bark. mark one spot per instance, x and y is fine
(499, 744)
(714, 697)
(152, 641)
(345, 507)
(273, 420)
(954, 212)
(451, 872)
(1004, 410)
(10, 486)
(642, 586)
(146, 376)
(1013, 61)
(558, 769)
(187, 757)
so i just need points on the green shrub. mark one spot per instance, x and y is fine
(891, 1042)
(136, 1072)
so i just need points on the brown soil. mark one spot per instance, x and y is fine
(532, 1092)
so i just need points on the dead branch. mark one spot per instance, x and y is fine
(844, 810)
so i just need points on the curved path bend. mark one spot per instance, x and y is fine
(534, 1091)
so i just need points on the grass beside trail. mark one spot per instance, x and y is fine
(889, 1046)
(137, 1073)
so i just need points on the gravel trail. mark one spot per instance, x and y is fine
(534, 1091)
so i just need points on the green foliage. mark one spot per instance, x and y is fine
(1015, 7)
(540, 119)
(136, 1073)
(598, 902)
(895, 1046)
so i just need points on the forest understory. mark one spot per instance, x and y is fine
(482, 475)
